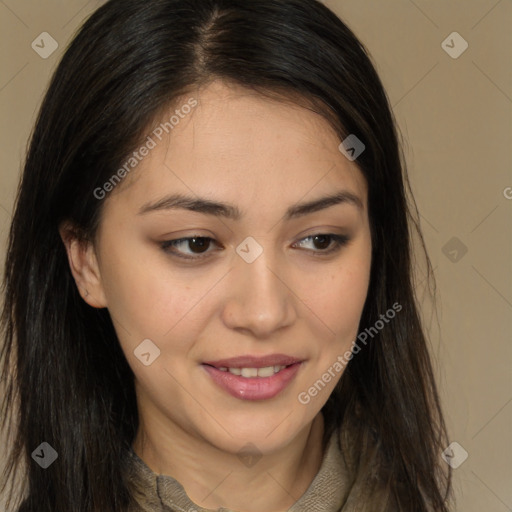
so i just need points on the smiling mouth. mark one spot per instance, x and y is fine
(253, 383)
(251, 373)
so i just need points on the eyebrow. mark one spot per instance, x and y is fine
(229, 211)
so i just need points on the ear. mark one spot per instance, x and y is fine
(83, 263)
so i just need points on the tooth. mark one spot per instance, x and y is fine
(235, 371)
(223, 369)
(249, 372)
(277, 368)
(268, 371)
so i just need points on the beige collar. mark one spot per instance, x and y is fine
(326, 493)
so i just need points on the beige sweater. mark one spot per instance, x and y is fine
(328, 492)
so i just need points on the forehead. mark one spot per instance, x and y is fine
(239, 145)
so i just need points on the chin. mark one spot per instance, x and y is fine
(266, 436)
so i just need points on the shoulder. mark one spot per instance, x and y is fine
(141, 483)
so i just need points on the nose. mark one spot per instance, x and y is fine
(261, 301)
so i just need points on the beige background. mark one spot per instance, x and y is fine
(455, 116)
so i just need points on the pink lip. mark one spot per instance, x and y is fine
(256, 388)
(254, 361)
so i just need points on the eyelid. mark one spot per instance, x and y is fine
(170, 243)
(338, 241)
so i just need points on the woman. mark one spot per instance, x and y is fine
(208, 288)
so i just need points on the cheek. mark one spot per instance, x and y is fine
(337, 297)
(352, 288)
(338, 300)
(143, 296)
(150, 304)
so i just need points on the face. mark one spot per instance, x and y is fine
(248, 266)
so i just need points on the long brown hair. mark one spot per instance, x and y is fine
(67, 380)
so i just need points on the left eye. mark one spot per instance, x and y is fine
(328, 242)
(199, 245)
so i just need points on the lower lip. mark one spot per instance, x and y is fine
(254, 388)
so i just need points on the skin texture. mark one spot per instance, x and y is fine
(262, 156)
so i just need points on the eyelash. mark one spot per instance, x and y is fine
(339, 242)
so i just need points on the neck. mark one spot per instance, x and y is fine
(213, 478)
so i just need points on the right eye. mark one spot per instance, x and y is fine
(197, 245)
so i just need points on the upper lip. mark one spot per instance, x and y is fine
(255, 361)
